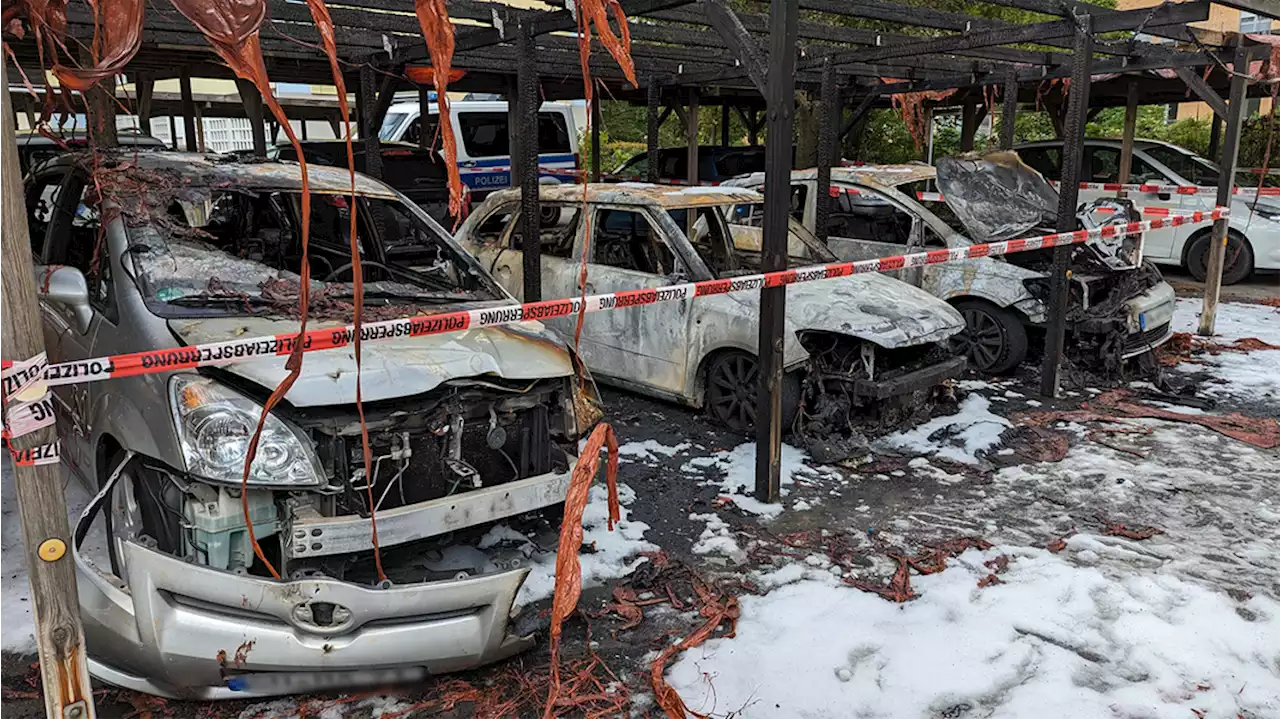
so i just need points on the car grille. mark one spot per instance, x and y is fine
(1141, 341)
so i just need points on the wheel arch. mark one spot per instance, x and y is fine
(1203, 231)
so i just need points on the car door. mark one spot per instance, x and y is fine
(73, 238)
(498, 242)
(644, 345)
(864, 224)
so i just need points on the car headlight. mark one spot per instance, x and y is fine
(214, 427)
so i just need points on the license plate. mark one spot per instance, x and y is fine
(301, 682)
(1142, 321)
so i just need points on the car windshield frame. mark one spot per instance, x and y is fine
(410, 286)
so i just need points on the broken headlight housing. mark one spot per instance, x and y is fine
(215, 425)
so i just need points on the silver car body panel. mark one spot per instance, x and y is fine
(660, 349)
(988, 278)
(139, 637)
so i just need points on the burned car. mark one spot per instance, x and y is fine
(862, 347)
(466, 428)
(1120, 306)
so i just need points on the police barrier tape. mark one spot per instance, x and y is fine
(24, 382)
(241, 350)
(1153, 189)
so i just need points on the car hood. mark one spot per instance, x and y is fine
(389, 368)
(996, 196)
(880, 309)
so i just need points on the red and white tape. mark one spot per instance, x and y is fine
(241, 350)
(1154, 189)
(31, 409)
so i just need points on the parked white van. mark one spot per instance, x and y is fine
(484, 155)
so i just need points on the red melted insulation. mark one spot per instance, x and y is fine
(568, 568)
(911, 107)
(324, 23)
(438, 32)
(117, 35)
(231, 26)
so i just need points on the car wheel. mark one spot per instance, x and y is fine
(1237, 265)
(994, 339)
(733, 386)
(550, 215)
(132, 511)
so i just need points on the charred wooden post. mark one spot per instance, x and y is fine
(303, 126)
(513, 130)
(145, 86)
(188, 108)
(173, 133)
(42, 506)
(753, 129)
(654, 125)
(1215, 138)
(1068, 194)
(425, 136)
(252, 100)
(100, 107)
(1226, 184)
(530, 207)
(691, 137)
(827, 120)
(968, 124)
(1009, 110)
(367, 108)
(780, 101)
(724, 124)
(595, 136)
(1130, 127)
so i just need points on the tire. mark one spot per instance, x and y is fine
(1239, 260)
(134, 503)
(994, 338)
(732, 388)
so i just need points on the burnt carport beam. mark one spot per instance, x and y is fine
(830, 107)
(252, 100)
(1068, 194)
(738, 40)
(780, 100)
(530, 207)
(1009, 110)
(654, 124)
(1202, 90)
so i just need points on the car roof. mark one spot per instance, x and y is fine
(1103, 142)
(876, 175)
(475, 105)
(123, 137)
(226, 171)
(641, 194)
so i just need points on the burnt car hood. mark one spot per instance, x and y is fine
(879, 309)
(996, 195)
(389, 368)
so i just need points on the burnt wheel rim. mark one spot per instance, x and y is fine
(732, 387)
(1231, 256)
(982, 339)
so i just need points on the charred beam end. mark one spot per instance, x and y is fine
(1203, 90)
(739, 41)
(830, 109)
(1185, 12)
(780, 100)
(1069, 193)
(530, 207)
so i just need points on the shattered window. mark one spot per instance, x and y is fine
(241, 252)
(559, 229)
(868, 216)
(626, 240)
(42, 199)
(78, 243)
(1045, 160)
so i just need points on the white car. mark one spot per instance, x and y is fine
(1115, 314)
(863, 347)
(1254, 235)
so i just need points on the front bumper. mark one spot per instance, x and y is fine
(922, 378)
(177, 629)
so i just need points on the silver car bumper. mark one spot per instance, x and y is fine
(1150, 319)
(177, 629)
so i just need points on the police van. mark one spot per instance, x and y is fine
(481, 129)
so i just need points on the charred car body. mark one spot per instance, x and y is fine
(465, 428)
(1120, 306)
(857, 347)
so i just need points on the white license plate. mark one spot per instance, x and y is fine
(301, 682)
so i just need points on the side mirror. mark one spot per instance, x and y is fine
(65, 287)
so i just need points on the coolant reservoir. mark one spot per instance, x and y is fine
(219, 537)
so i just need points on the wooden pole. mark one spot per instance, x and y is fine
(595, 136)
(968, 125)
(513, 129)
(367, 99)
(173, 133)
(425, 138)
(145, 85)
(1068, 194)
(1130, 128)
(530, 205)
(188, 108)
(691, 138)
(654, 120)
(252, 101)
(724, 124)
(1009, 110)
(100, 107)
(830, 108)
(1226, 182)
(781, 103)
(1215, 138)
(200, 147)
(42, 507)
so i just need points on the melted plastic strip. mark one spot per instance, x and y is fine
(437, 30)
